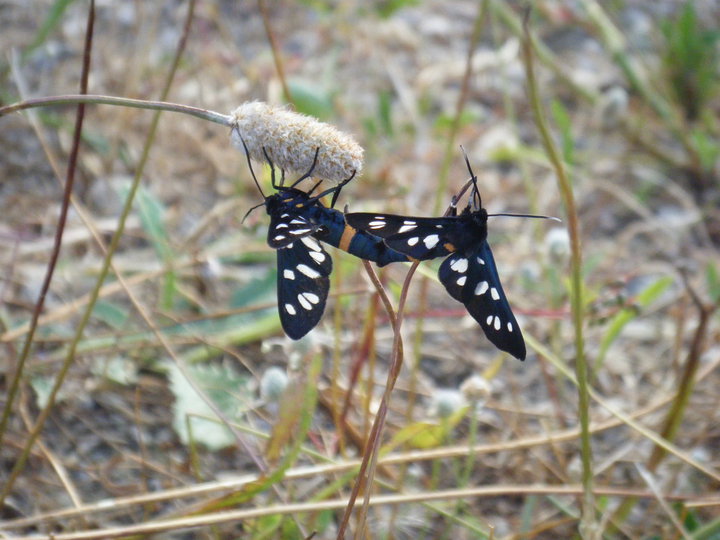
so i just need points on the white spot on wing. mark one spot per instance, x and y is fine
(297, 221)
(378, 224)
(408, 225)
(431, 241)
(459, 265)
(306, 270)
(303, 302)
(310, 242)
(281, 226)
(288, 274)
(509, 327)
(298, 232)
(412, 241)
(307, 300)
(318, 256)
(279, 237)
(489, 320)
(312, 297)
(481, 288)
(497, 322)
(290, 309)
(495, 294)
(481, 260)
(461, 280)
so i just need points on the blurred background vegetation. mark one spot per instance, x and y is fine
(487, 446)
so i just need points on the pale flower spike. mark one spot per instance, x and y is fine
(291, 140)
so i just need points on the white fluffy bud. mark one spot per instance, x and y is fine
(291, 140)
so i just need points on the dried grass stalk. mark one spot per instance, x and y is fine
(291, 139)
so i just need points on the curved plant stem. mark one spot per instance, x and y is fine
(62, 220)
(587, 524)
(371, 450)
(71, 99)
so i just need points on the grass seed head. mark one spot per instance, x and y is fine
(273, 384)
(291, 139)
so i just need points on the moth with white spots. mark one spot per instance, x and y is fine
(298, 224)
(468, 273)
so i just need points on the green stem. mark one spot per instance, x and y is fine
(72, 99)
(587, 524)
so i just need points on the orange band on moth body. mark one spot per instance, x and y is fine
(347, 236)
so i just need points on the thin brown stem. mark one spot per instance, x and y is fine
(54, 256)
(370, 454)
(277, 56)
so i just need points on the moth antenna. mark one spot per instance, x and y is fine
(336, 193)
(252, 172)
(475, 199)
(272, 168)
(313, 188)
(250, 211)
(310, 171)
(532, 216)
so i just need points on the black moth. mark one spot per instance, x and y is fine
(469, 273)
(297, 221)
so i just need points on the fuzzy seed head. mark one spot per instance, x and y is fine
(476, 389)
(291, 139)
(446, 402)
(557, 243)
(273, 384)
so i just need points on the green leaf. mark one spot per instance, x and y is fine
(690, 60)
(152, 217)
(619, 321)
(42, 387)
(311, 100)
(426, 435)
(117, 369)
(267, 526)
(111, 313)
(385, 112)
(707, 148)
(386, 8)
(257, 291)
(51, 21)
(223, 386)
(691, 521)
